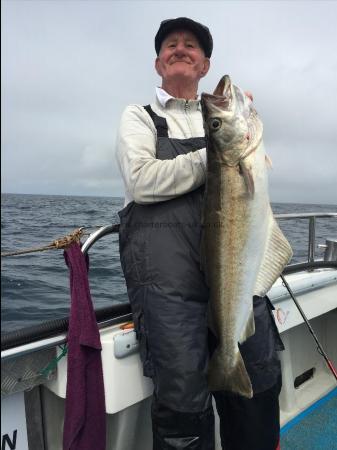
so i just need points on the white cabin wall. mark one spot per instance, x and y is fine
(129, 429)
(300, 355)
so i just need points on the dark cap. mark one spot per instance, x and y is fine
(201, 32)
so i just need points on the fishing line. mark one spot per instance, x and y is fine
(319, 346)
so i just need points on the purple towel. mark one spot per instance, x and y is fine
(84, 424)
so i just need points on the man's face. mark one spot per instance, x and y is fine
(181, 57)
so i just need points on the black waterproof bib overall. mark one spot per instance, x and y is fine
(159, 249)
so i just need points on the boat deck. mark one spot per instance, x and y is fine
(315, 428)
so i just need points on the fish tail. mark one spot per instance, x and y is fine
(235, 380)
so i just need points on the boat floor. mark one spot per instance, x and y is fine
(315, 428)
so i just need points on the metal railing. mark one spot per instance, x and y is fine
(48, 329)
(310, 216)
(312, 227)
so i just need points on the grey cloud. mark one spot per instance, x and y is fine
(70, 68)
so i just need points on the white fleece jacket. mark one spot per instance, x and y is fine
(147, 179)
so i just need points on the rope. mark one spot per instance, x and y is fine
(53, 363)
(60, 243)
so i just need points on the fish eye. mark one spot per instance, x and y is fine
(215, 124)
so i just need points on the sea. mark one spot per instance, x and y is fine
(35, 286)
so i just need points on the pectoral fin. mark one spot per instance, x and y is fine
(247, 174)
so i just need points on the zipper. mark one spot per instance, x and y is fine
(187, 110)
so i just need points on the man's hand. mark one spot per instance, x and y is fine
(249, 95)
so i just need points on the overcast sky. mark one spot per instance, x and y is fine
(70, 67)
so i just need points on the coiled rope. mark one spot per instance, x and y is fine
(60, 243)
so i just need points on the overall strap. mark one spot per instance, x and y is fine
(159, 122)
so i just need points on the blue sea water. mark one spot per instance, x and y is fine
(35, 287)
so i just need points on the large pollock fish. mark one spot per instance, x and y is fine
(243, 250)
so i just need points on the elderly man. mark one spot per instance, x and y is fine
(162, 158)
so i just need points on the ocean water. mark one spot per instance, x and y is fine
(35, 287)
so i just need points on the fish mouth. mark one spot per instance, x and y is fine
(224, 87)
(222, 96)
(216, 100)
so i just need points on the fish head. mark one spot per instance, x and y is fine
(226, 115)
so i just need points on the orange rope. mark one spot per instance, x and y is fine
(60, 243)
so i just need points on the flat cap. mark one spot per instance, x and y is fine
(201, 32)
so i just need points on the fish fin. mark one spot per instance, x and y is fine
(277, 254)
(234, 380)
(247, 174)
(227, 370)
(268, 162)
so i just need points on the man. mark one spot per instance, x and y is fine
(162, 157)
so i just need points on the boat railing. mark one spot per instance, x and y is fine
(114, 313)
(331, 245)
(311, 217)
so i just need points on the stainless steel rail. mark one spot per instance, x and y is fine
(312, 227)
(103, 231)
(98, 234)
(310, 216)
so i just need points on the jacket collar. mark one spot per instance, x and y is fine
(163, 97)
